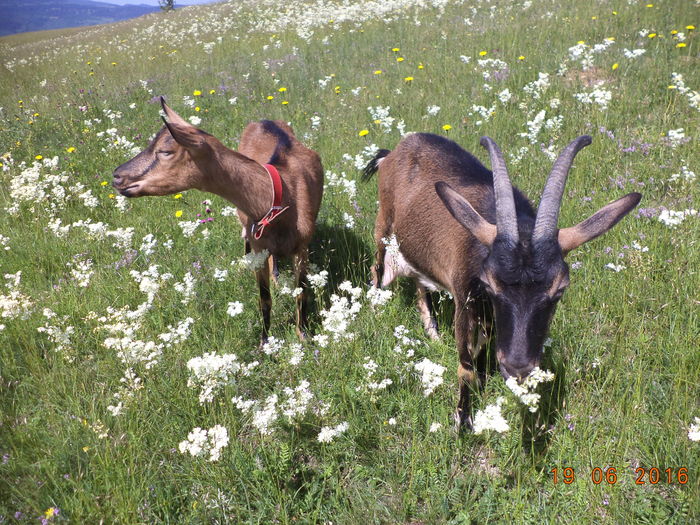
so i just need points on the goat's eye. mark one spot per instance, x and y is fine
(165, 153)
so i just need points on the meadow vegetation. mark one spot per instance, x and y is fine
(132, 388)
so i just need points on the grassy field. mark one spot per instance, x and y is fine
(106, 303)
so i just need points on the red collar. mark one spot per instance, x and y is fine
(276, 209)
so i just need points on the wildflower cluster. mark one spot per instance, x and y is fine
(211, 373)
(201, 442)
(525, 391)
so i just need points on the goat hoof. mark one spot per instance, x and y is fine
(462, 421)
(433, 333)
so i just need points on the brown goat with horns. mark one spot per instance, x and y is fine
(464, 229)
(182, 157)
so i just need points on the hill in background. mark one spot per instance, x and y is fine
(38, 15)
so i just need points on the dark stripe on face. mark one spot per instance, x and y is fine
(148, 168)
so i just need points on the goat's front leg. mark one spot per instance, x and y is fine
(262, 275)
(465, 324)
(301, 263)
(425, 307)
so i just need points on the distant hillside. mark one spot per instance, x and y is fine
(37, 15)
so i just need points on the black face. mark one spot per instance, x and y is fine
(524, 285)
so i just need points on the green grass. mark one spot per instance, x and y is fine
(625, 345)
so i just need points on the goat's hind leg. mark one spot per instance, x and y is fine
(382, 230)
(301, 263)
(425, 307)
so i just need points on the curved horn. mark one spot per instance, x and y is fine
(506, 220)
(548, 211)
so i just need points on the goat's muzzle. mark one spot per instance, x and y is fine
(519, 372)
(118, 183)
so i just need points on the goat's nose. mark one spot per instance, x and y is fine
(516, 370)
(117, 178)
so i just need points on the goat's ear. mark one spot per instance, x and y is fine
(186, 135)
(172, 116)
(598, 223)
(465, 214)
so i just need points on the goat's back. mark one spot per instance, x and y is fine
(430, 239)
(300, 168)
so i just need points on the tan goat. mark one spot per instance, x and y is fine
(182, 157)
(464, 229)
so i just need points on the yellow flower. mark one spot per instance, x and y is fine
(285, 102)
(615, 13)
(378, 72)
(594, 18)
(363, 132)
(672, 87)
(680, 44)
(282, 89)
(178, 213)
(85, 449)
(610, 39)
(650, 5)
(70, 150)
(270, 97)
(674, 32)
(408, 79)
(615, 66)
(35, 115)
(197, 108)
(39, 157)
(690, 27)
(651, 35)
(420, 65)
(399, 59)
(178, 196)
(447, 127)
(483, 53)
(212, 91)
(111, 195)
(114, 63)
(521, 57)
(50, 512)
(197, 93)
(396, 49)
(104, 183)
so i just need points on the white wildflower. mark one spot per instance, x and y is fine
(200, 442)
(264, 419)
(491, 418)
(328, 434)
(694, 430)
(253, 261)
(431, 375)
(234, 308)
(673, 218)
(525, 390)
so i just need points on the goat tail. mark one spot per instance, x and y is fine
(373, 165)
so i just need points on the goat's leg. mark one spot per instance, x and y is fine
(382, 229)
(263, 277)
(274, 271)
(425, 307)
(465, 324)
(301, 263)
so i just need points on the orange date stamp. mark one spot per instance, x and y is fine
(609, 475)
